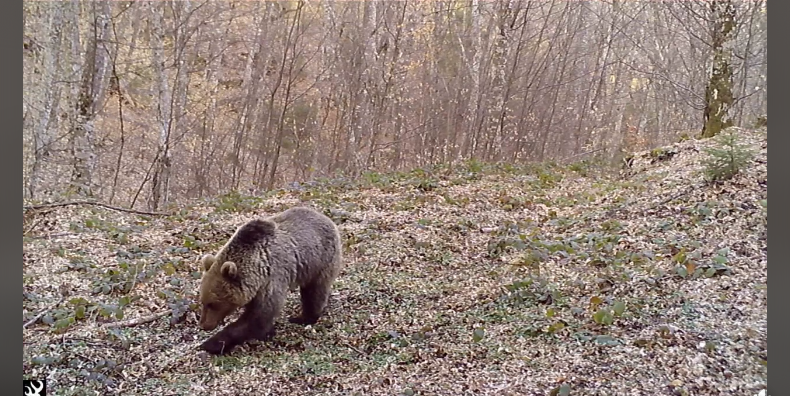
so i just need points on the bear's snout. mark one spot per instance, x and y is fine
(208, 326)
(206, 323)
(210, 321)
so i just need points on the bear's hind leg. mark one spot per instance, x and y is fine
(314, 300)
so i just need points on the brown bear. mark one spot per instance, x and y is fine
(259, 265)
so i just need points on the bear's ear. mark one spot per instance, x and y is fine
(207, 261)
(229, 270)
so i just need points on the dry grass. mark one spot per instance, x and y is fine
(456, 283)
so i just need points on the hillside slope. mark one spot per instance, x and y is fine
(482, 280)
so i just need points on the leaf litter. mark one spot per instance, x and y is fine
(474, 280)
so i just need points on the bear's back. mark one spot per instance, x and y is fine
(309, 236)
(304, 224)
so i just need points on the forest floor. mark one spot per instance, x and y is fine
(481, 280)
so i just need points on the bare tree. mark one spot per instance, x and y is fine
(91, 94)
(160, 180)
(43, 133)
(287, 67)
(718, 94)
(251, 95)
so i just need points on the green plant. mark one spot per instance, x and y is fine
(474, 166)
(512, 203)
(662, 154)
(605, 316)
(425, 183)
(546, 176)
(376, 179)
(497, 246)
(728, 156)
(191, 242)
(234, 202)
(121, 279)
(582, 168)
(478, 334)
(78, 309)
(178, 303)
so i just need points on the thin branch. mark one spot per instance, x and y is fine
(103, 205)
(31, 228)
(138, 321)
(43, 312)
(673, 197)
(56, 235)
(355, 349)
(581, 154)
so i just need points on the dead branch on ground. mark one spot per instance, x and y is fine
(103, 205)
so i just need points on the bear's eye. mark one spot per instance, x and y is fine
(210, 306)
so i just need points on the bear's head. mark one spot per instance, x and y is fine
(219, 295)
(221, 288)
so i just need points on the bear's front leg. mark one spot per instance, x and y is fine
(228, 338)
(264, 310)
(256, 322)
(235, 333)
(219, 344)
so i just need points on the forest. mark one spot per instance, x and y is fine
(145, 103)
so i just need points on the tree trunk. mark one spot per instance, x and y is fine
(42, 134)
(290, 44)
(90, 98)
(718, 93)
(467, 147)
(161, 176)
(202, 170)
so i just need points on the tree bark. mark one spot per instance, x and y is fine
(718, 94)
(90, 97)
(160, 181)
(42, 135)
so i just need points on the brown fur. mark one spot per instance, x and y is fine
(259, 265)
